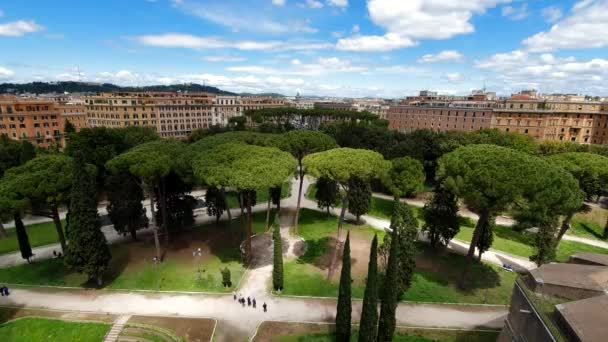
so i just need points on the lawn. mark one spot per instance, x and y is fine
(521, 243)
(32, 329)
(39, 234)
(589, 225)
(132, 267)
(435, 280)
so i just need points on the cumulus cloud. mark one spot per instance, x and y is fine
(338, 3)
(320, 66)
(5, 73)
(19, 28)
(179, 40)
(552, 14)
(225, 58)
(279, 2)
(454, 77)
(407, 21)
(583, 28)
(547, 71)
(313, 4)
(443, 56)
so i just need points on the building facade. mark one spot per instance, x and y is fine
(38, 121)
(557, 118)
(75, 114)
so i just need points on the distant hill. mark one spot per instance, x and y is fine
(263, 94)
(86, 87)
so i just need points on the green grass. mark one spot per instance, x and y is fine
(410, 335)
(522, 243)
(589, 225)
(39, 234)
(42, 329)
(436, 283)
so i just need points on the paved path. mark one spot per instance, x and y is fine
(119, 324)
(246, 319)
(500, 220)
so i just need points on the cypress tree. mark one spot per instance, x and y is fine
(390, 295)
(88, 250)
(344, 309)
(359, 196)
(24, 242)
(369, 313)
(277, 269)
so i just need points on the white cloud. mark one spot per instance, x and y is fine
(252, 69)
(443, 56)
(19, 28)
(406, 21)
(313, 4)
(583, 28)
(279, 2)
(179, 40)
(387, 42)
(355, 29)
(225, 58)
(514, 12)
(546, 71)
(454, 77)
(321, 66)
(296, 62)
(552, 14)
(338, 3)
(5, 73)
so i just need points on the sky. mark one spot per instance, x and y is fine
(345, 48)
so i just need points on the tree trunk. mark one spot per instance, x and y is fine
(59, 228)
(481, 223)
(99, 279)
(342, 213)
(241, 200)
(163, 212)
(565, 226)
(3, 233)
(154, 223)
(133, 234)
(227, 206)
(301, 174)
(249, 228)
(268, 210)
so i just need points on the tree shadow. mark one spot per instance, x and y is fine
(591, 231)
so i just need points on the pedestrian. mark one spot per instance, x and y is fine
(6, 293)
(2, 291)
(54, 253)
(234, 294)
(243, 302)
(253, 303)
(248, 301)
(265, 307)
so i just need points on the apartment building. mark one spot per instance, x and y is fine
(226, 107)
(559, 118)
(74, 113)
(38, 121)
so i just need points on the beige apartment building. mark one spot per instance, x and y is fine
(562, 119)
(38, 121)
(75, 114)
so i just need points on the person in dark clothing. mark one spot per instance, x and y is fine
(2, 291)
(253, 301)
(6, 293)
(265, 307)
(248, 301)
(234, 296)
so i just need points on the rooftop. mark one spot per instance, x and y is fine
(586, 318)
(589, 259)
(588, 277)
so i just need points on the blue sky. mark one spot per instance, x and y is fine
(386, 48)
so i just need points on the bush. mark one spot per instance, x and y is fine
(226, 277)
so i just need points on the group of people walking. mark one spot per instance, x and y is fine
(4, 291)
(249, 301)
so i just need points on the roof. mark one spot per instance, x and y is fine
(589, 258)
(586, 317)
(588, 277)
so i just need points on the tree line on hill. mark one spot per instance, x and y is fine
(88, 87)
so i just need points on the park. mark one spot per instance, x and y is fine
(344, 232)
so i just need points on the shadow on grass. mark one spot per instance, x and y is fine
(591, 231)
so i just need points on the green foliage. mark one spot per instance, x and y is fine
(238, 137)
(486, 237)
(440, 215)
(309, 118)
(28, 329)
(88, 251)
(243, 167)
(344, 308)
(28, 152)
(303, 142)
(226, 281)
(359, 196)
(24, 242)
(277, 265)
(327, 193)
(237, 123)
(368, 327)
(545, 243)
(68, 128)
(591, 170)
(389, 296)
(405, 177)
(125, 207)
(10, 153)
(178, 203)
(340, 164)
(275, 196)
(406, 224)
(216, 205)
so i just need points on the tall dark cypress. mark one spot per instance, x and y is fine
(344, 309)
(369, 313)
(24, 241)
(389, 298)
(277, 268)
(88, 250)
